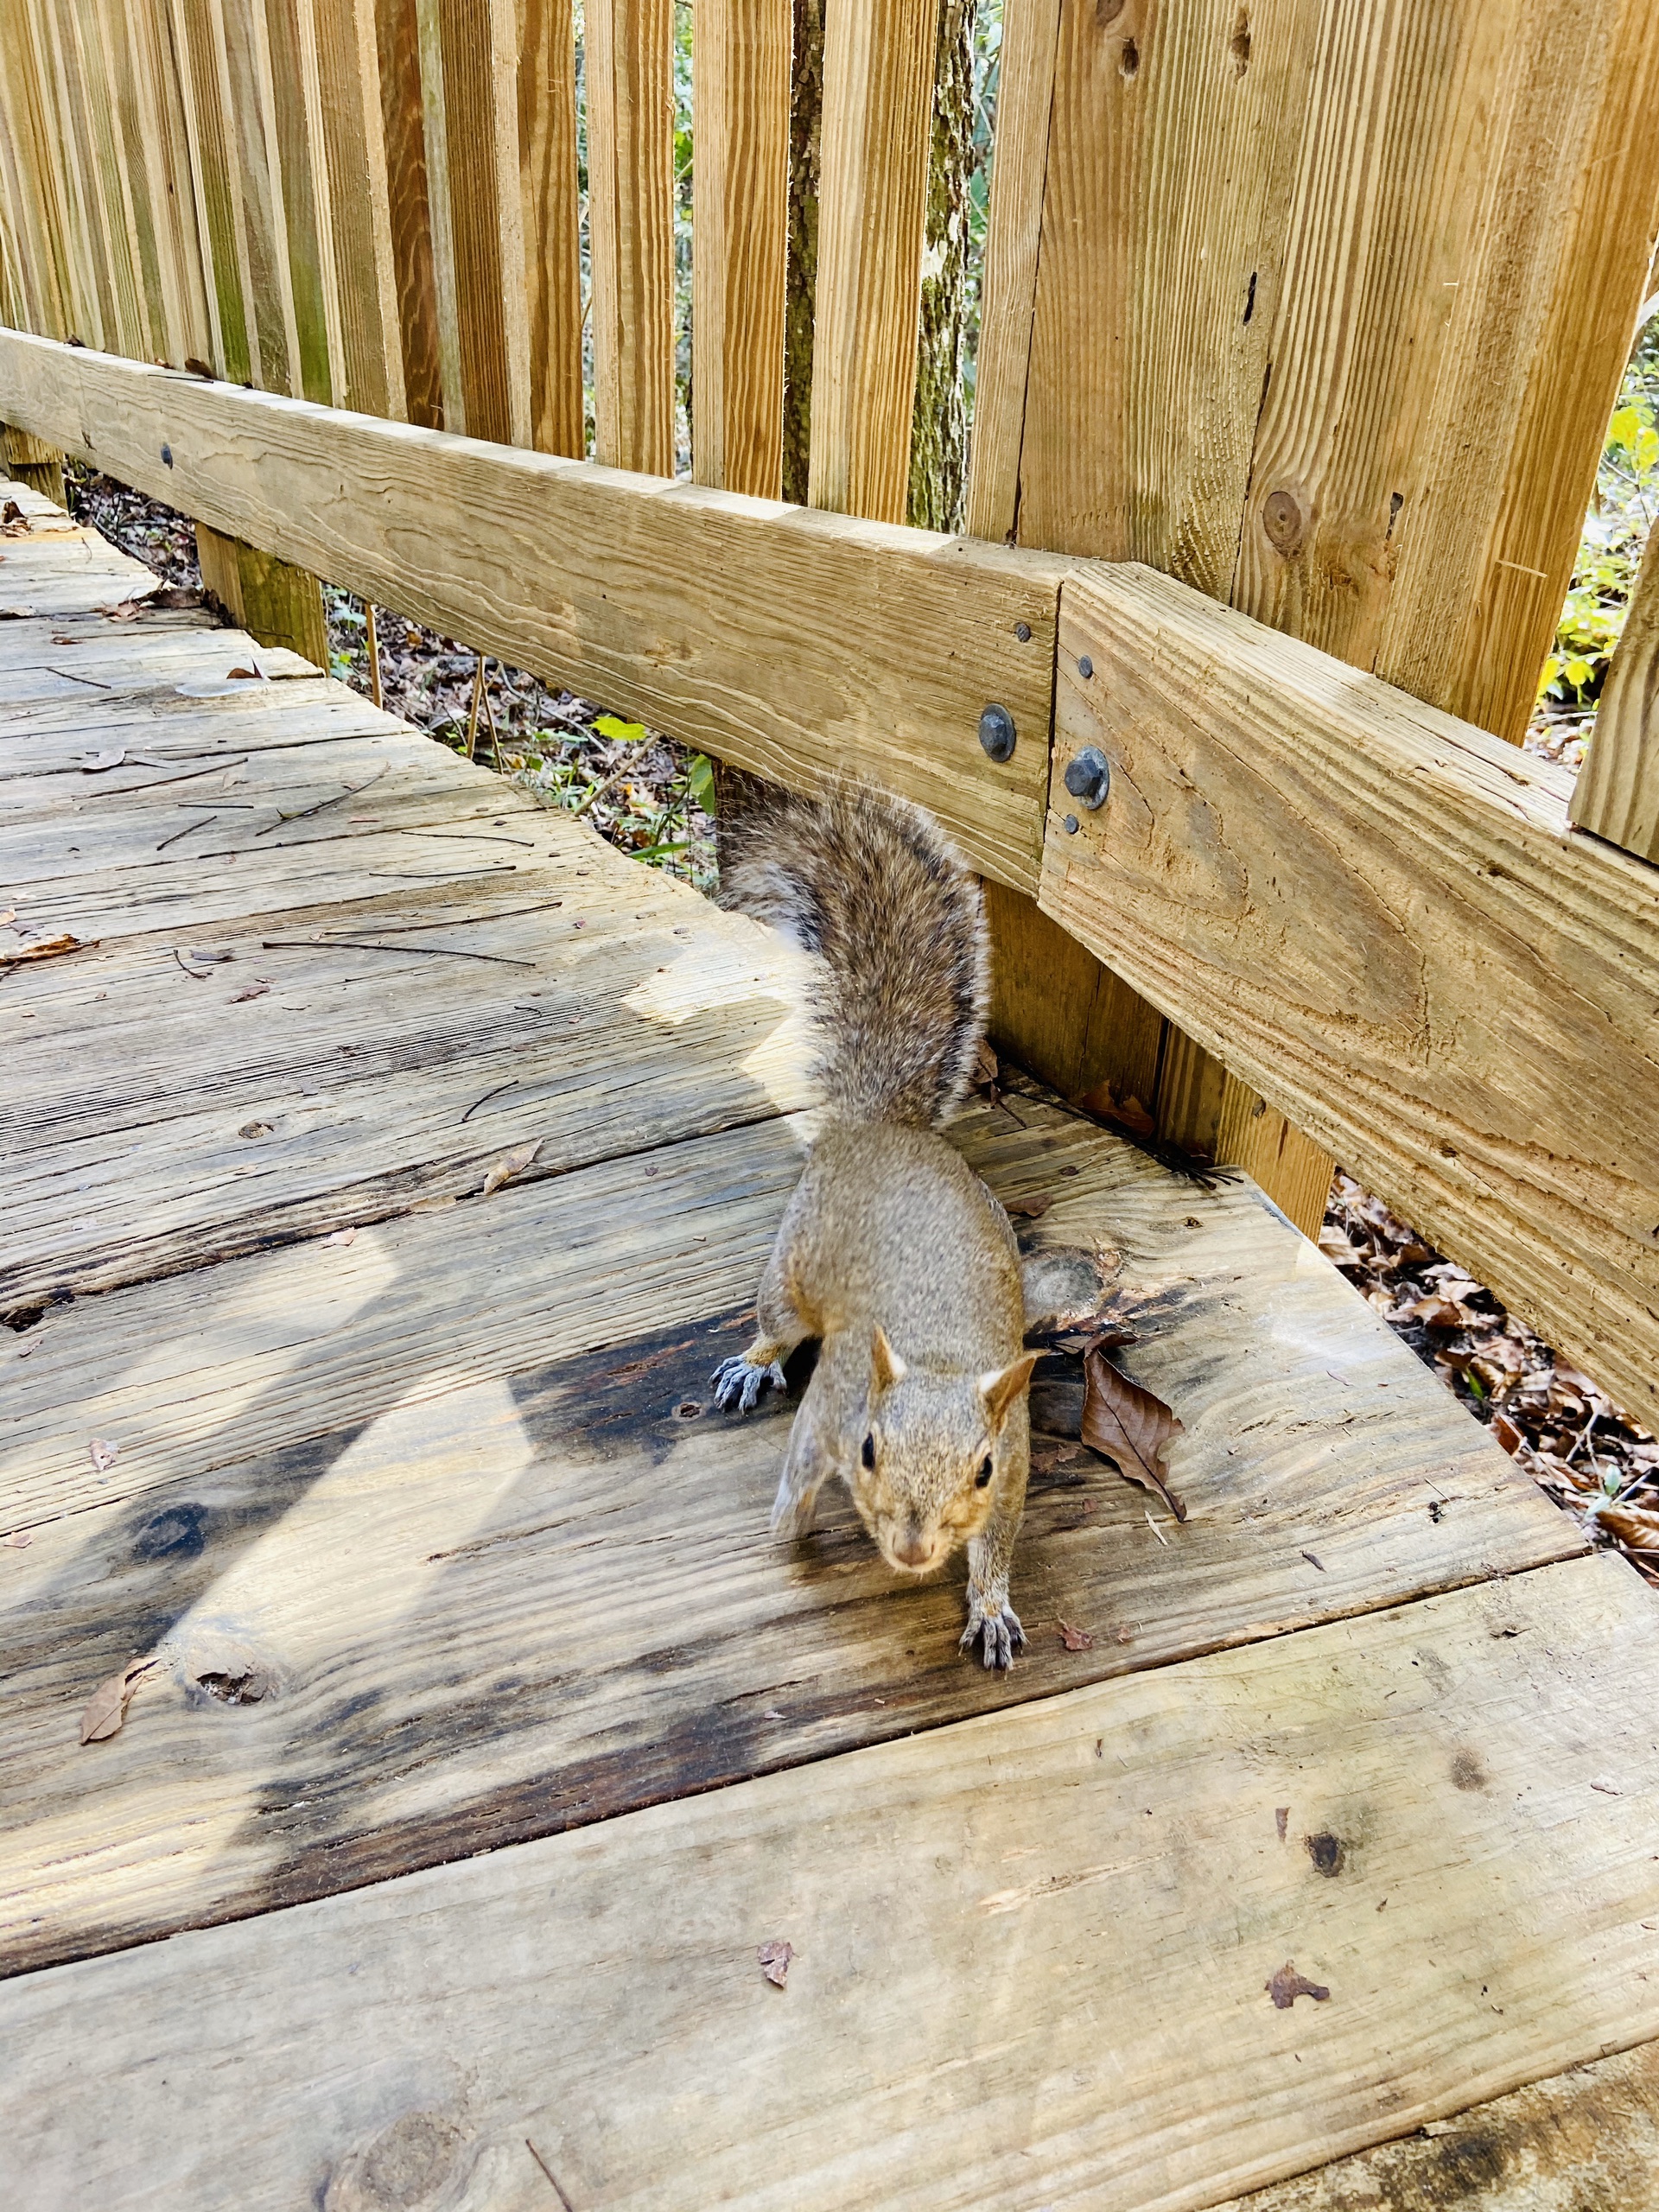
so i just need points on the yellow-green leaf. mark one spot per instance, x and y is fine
(624, 733)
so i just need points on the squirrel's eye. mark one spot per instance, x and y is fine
(984, 1474)
(868, 1454)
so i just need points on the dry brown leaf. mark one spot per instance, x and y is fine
(1028, 1209)
(1287, 1986)
(774, 1958)
(14, 523)
(48, 948)
(126, 612)
(1075, 1639)
(1130, 1426)
(250, 674)
(1504, 1431)
(1338, 1248)
(253, 991)
(106, 1708)
(1634, 1525)
(1438, 1313)
(509, 1164)
(1128, 1114)
(102, 1455)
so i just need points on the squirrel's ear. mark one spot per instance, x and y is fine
(888, 1368)
(1001, 1389)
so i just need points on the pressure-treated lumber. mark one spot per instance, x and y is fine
(559, 1500)
(552, 224)
(217, 195)
(740, 59)
(398, 50)
(1381, 917)
(33, 461)
(273, 601)
(787, 642)
(878, 87)
(1032, 1953)
(630, 102)
(1590, 2137)
(350, 127)
(1616, 794)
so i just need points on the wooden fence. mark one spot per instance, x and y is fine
(1317, 307)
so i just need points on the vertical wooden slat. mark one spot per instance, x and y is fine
(111, 181)
(160, 154)
(408, 204)
(434, 132)
(349, 126)
(551, 211)
(478, 44)
(630, 224)
(250, 126)
(132, 121)
(285, 54)
(1013, 234)
(740, 60)
(878, 87)
(199, 40)
(1617, 791)
(93, 310)
(30, 182)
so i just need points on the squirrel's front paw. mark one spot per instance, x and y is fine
(997, 1626)
(737, 1382)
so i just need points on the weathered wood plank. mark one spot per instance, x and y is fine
(255, 178)
(784, 641)
(1616, 794)
(1381, 917)
(199, 40)
(740, 60)
(552, 218)
(629, 103)
(160, 137)
(359, 202)
(1586, 2138)
(398, 50)
(1032, 1952)
(878, 88)
(275, 602)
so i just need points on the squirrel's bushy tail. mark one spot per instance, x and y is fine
(872, 885)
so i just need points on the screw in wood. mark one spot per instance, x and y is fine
(996, 732)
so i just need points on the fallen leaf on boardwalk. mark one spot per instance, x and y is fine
(103, 1456)
(198, 368)
(96, 763)
(1129, 1115)
(1506, 1433)
(1130, 1425)
(774, 1962)
(1287, 1986)
(509, 1164)
(14, 523)
(251, 674)
(342, 1237)
(1075, 1639)
(253, 991)
(106, 1708)
(126, 612)
(48, 948)
(18, 1541)
(1029, 1209)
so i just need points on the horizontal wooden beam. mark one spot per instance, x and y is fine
(784, 640)
(1381, 917)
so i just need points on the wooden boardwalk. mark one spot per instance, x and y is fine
(484, 1735)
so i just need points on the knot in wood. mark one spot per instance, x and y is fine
(1283, 520)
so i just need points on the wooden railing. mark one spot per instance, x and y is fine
(1319, 311)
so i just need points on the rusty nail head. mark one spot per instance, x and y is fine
(1085, 666)
(1089, 777)
(1022, 631)
(996, 732)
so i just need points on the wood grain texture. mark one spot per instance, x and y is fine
(552, 224)
(878, 87)
(1032, 1954)
(352, 135)
(36, 250)
(782, 641)
(198, 39)
(548, 1490)
(251, 138)
(630, 102)
(740, 88)
(159, 150)
(1013, 239)
(1616, 794)
(1577, 2143)
(398, 51)
(275, 602)
(1381, 917)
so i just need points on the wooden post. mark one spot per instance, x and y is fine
(275, 602)
(32, 461)
(1617, 794)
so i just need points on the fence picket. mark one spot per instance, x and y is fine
(631, 220)
(551, 215)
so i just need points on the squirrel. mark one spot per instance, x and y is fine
(892, 1252)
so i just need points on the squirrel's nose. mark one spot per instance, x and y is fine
(912, 1548)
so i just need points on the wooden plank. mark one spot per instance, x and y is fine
(551, 205)
(398, 48)
(31, 179)
(109, 180)
(1381, 917)
(276, 602)
(740, 60)
(249, 125)
(1616, 794)
(198, 39)
(782, 641)
(1032, 1954)
(575, 1507)
(878, 87)
(65, 109)
(291, 98)
(159, 141)
(1586, 2137)
(32, 461)
(630, 102)
(1013, 235)
(351, 130)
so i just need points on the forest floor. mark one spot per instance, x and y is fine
(653, 800)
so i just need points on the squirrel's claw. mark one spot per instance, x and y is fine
(737, 1382)
(999, 1630)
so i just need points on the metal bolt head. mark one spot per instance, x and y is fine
(1071, 825)
(1085, 666)
(996, 732)
(1022, 631)
(1089, 777)
(167, 455)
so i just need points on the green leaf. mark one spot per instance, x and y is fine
(700, 775)
(1577, 672)
(624, 733)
